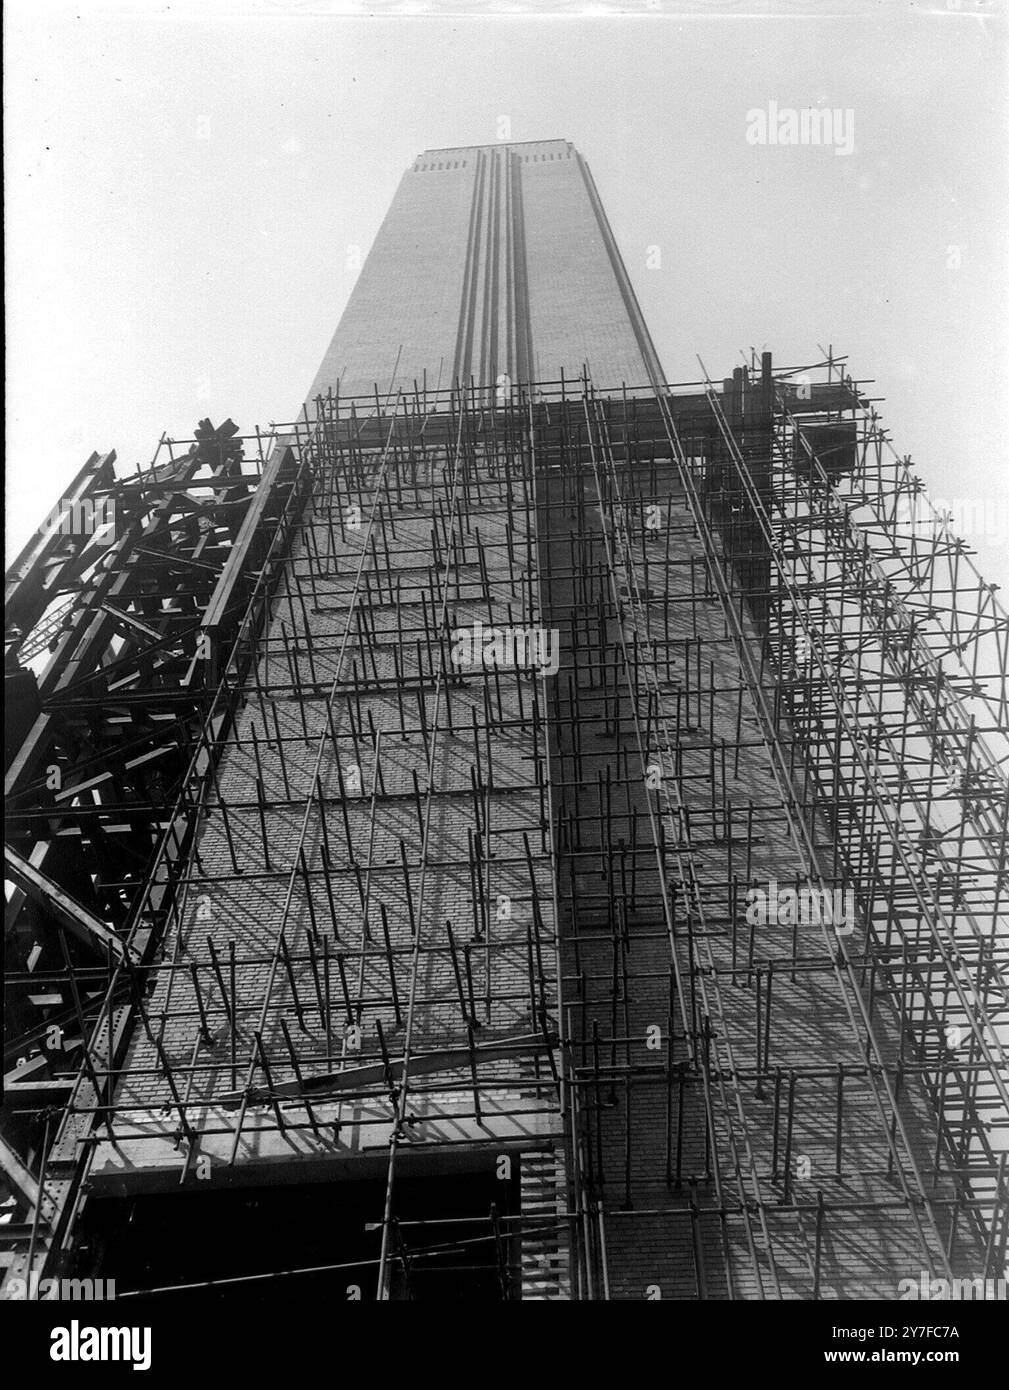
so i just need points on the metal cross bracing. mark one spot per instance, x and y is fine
(433, 910)
(109, 674)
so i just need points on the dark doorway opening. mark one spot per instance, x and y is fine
(452, 1241)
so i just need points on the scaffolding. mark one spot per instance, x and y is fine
(602, 792)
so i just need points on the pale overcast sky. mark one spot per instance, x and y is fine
(186, 187)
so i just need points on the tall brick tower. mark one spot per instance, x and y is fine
(493, 261)
(523, 829)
